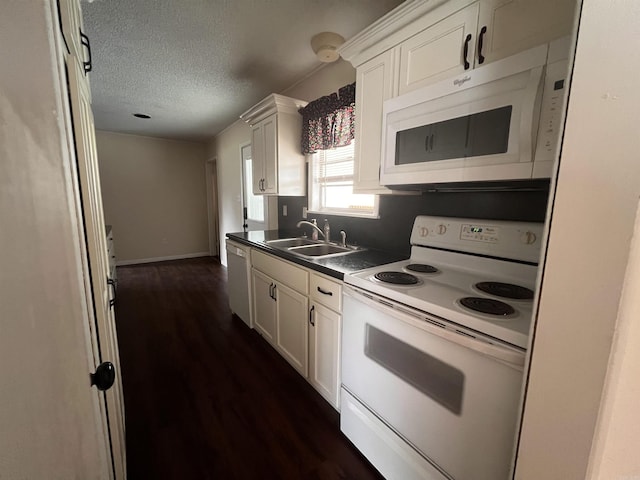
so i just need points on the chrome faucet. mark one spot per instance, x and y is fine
(304, 222)
(343, 238)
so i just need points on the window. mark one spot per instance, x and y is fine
(331, 185)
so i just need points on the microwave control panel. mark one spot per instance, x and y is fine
(551, 111)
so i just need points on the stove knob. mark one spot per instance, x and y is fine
(442, 229)
(424, 231)
(528, 237)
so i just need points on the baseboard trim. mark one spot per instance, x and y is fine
(122, 263)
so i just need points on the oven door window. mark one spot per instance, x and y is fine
(433, 377)
(474, 135)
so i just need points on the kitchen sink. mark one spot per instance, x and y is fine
(291, 242)
(320, 250)
(305, 247)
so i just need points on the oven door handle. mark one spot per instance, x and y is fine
(512, 358)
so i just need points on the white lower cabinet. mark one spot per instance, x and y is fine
(299, 313)
(264, 305)
(291, 327)
(280, 307)
(324, 352)
(325, 325)
(281, 318)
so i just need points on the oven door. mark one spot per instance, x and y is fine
(453, 398)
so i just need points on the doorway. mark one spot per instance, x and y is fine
(255, 208)
(212, 206)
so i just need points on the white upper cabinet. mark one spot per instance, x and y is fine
(278, 165)
(75, 39)
(374, 85)
(422, 42)
(516, 25)
(442, 50)
(480, 33)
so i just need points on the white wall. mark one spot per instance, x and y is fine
(225, 147)
(617, 440)
(598, 187)
(154, 195)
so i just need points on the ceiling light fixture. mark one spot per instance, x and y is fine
(141, 115)
(325, 45)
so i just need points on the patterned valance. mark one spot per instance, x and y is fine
(328, 122)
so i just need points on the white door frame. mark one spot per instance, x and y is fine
(211, 173)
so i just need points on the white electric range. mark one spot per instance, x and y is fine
(433, 350)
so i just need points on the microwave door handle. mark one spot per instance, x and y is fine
(428, 142)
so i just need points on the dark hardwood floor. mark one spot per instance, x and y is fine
(208, 398)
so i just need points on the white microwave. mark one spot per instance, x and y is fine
(497, 122)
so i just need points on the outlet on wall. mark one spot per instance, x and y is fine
(284, 210)
(304, 212)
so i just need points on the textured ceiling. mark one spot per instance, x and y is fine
(195, 65)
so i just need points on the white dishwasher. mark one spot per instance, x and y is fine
(239, 277)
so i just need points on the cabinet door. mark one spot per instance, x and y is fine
(438, 51)
(264, 305)
(270, 161)
(324, 352)
(292, 332)
(516, 25)
(71, 20)
(375, 85)
(257, 158)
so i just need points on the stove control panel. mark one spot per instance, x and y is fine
(503, 239)
(480, 233)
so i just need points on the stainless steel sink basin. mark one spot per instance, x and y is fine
(291, 242)
(320, 250)
(305, 247)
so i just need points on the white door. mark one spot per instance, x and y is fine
(102, 287)
(255, 207)
(50, 416)
(211, 172)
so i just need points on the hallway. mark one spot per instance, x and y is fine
(207, 398)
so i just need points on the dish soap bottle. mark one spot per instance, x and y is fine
(326, 230)
(314, 234)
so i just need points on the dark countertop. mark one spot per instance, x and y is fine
(333, 266)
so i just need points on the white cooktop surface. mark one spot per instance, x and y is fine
(439, 293)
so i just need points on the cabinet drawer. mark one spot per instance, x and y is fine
(281, 270)
(327, 292)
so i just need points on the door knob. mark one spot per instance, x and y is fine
(104, 377)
